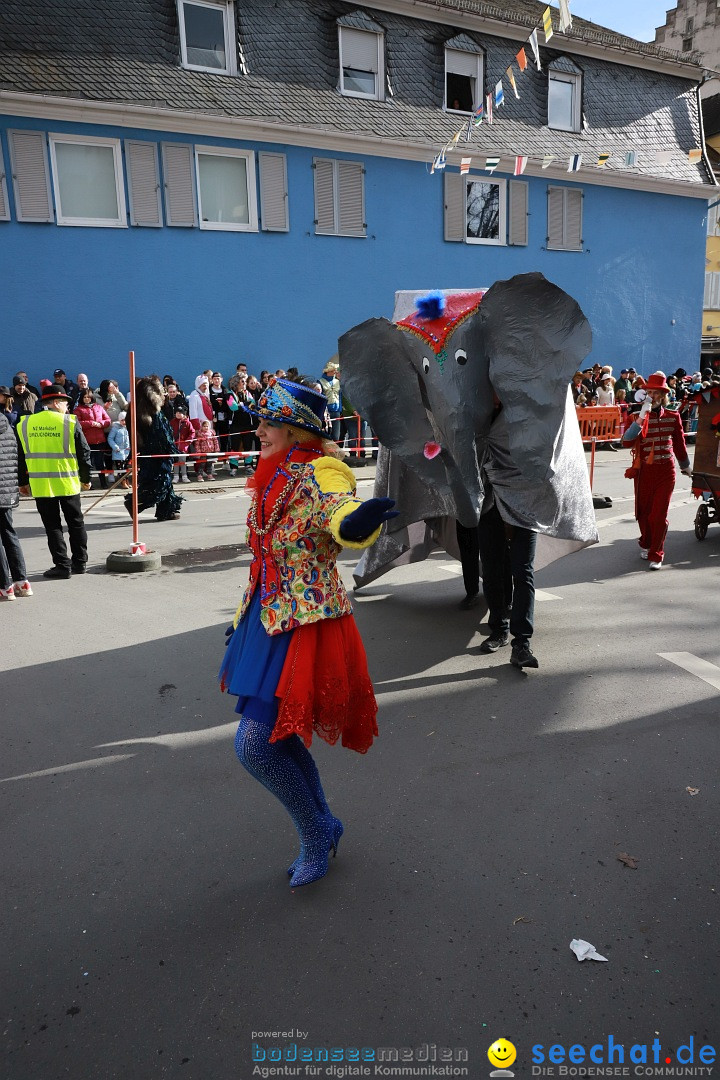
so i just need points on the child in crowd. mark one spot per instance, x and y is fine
(206, 442)
(183, 434)
(622, 404)
(118, 438)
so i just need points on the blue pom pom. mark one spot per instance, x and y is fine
(431, 306)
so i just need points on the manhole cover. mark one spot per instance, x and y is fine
(205, 556)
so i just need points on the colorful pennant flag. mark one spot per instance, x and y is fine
(491, 164)
(465, 164)
(602, 160)
(520, 164)
(521, 58)
(574, 163)
(630, 159)
(547, 159)
(694, 156)
(499, 93)
(489, 108)
(455, 140)
(547, 24)
(565, 16)
(511, 80)
(440, 162)
(533, 39)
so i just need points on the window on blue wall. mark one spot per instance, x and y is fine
(226, 189)
(475, 209)
(207, 36)
(88, 180)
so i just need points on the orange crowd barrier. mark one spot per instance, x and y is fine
(598, 423)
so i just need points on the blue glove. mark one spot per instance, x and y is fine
(228, 634)
(365, 520)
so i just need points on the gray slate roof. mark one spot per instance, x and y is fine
(129, 52)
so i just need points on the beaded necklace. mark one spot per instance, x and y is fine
(276, 512)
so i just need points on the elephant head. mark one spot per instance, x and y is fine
(427, 386)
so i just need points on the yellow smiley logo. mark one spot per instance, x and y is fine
(502, 1054)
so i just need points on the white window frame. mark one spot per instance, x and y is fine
(231, 152)
(711, 299)
(228, 13)
(575, 80)
(379, 94)
(479, 84)
(90, 140)
(502, 224)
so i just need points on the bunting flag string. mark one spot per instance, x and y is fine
(493, 100)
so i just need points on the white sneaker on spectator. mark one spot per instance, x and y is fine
(22, 588)
(643, 553)
(7, 594)
(655, 565)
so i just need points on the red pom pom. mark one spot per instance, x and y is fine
(431, 450)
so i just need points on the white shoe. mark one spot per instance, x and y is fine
(655, 565)
(22, 588)
(643, 553)
(7, 594)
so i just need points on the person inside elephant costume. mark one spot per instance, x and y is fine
(429, 384)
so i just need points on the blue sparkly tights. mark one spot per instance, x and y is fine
(289, 773)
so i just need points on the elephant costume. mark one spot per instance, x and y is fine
(427, 384)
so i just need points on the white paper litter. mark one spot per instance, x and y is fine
(585, 951)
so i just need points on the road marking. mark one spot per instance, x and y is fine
(540, 594)
(704, 670)
(92, 763)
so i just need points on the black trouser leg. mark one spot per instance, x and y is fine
(496, 572)
(49, 511)
(469, 544)
(76, 528)
(12, 552)
(522, 559)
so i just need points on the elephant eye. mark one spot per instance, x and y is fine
(461, 356)
(425, 364)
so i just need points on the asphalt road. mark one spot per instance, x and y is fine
(148, 927)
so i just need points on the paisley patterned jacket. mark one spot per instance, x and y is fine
(294, 564)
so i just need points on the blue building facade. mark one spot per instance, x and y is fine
(185, 298)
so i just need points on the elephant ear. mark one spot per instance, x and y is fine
(536, 337)
(380, 379)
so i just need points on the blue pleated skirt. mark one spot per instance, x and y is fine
(252, 665)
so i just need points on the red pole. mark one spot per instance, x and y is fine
(134, 459)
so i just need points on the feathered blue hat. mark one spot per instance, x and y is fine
(285, 402)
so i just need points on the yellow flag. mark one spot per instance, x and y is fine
(547, 24)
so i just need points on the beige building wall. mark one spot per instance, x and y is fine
(693, 26)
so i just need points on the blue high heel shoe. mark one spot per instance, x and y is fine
(307, 868)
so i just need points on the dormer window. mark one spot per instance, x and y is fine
(207, 36)
(564, 95)
(463, 75)
(362, 62)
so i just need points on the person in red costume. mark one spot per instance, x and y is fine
(295, 659)
(655, 435)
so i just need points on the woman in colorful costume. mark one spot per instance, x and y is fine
(295, 659)
(654, 436)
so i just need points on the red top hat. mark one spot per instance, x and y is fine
(656, 381)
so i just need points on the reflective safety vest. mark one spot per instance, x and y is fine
(48, 442)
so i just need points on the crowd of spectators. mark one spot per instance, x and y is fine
(210, 427)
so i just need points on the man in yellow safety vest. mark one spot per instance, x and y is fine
(53, 465)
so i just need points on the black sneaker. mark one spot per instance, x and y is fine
(471, 600)
(79, 568)
(495, 641)
(58, 572)
(523, 657)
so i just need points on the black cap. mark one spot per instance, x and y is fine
(6, 391)
(19, 380)
(54, 391)
(58, 371)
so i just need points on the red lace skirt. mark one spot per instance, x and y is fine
(325, 686)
